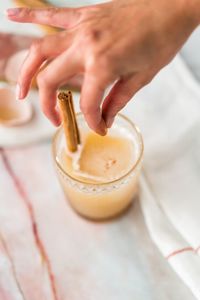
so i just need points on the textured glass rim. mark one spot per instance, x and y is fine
(107, 182)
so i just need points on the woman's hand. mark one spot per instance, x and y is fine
(124, 43)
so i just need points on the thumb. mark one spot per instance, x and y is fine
(58, 17)
(121, 93)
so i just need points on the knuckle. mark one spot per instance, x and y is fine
(120, 102)
(145, 81)
(118, 106)
(140, 83)
(42, 79)
(126, 93)
(45, 80)
(113, 112)
(94, 35)
(35, 47)
(26, 12)
(51, 11)
(148, 80)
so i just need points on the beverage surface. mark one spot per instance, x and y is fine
(99, 159)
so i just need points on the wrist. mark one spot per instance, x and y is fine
(192, 10)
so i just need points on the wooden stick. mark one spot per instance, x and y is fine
(75, 122)
(69, 121)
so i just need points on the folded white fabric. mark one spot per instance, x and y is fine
(168, 112)
(190, 53)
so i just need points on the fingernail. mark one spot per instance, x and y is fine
(18, 92)
(11, 12)
(102, 132)
(109, 122)
(103, 129)
(57, 122)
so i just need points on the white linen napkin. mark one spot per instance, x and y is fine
(168, 111)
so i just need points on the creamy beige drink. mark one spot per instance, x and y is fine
(100, 179)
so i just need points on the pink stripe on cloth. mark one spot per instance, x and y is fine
(183, 250)
(179, 251)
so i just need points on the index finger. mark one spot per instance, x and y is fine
(59, 17)
(51, 78)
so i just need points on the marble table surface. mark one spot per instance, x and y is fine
(48, 252)
(32, 207)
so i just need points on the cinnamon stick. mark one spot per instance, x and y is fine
(75, 123)
(69, 121)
